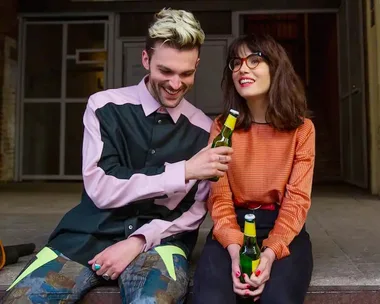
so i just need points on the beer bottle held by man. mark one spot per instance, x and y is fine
(224, 138)
(250, 251)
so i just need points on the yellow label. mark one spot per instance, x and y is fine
(255, 264)
(250, 229)
(230, 122)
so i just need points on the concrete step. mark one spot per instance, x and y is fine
(316, 295)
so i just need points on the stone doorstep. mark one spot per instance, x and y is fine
(316, 295)
(323, 294)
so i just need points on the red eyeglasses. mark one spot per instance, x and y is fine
(251, 60)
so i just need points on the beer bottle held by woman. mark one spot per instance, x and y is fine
(250, 251)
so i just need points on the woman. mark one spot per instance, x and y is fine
(270, 175)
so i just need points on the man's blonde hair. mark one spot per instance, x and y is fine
(177, 28)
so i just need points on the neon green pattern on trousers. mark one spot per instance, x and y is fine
(166, 253)
(45, 256)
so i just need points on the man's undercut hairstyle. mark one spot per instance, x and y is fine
(175, 28)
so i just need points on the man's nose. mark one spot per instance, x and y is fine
(175, 82)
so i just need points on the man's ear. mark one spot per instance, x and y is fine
(145, 59)
(196, 64)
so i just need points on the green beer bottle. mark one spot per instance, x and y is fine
(250, 251)
(225, 135)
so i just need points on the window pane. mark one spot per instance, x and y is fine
(92, 56)
(43, 61)
(41, 138)
(74, 137)
(85, 36)
(83, 79)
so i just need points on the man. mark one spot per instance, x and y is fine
(145, 171)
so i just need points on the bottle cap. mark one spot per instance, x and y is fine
(249, 217)
(234, 112)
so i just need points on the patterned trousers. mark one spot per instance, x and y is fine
(157, 276)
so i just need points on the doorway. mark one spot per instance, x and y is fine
(318, 51)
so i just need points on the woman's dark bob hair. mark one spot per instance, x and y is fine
(287, 101)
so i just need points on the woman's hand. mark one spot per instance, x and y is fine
(262, 273)
(239, 288)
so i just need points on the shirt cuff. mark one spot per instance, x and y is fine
(143, 249)
(150, 241)
(228, 237)
(280, 249)
(174, 178)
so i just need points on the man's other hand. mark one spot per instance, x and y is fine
(114, 259)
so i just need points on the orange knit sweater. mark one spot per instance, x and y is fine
(267, 166)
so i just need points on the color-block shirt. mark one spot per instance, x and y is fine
(267, 166)
(134, 156)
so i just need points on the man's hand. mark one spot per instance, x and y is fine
(208, 162)
(262, 273)
(239, 288)
(114, 259)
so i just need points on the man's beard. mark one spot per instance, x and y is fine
(157, 92)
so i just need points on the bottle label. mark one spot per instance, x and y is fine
(230, 122)
(250, 229)
(255, 264)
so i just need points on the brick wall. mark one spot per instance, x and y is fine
(8, 38)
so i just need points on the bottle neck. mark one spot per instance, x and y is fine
(250, 229)
(230, 122)
(226, 131)
(250, 234)
(229, 126)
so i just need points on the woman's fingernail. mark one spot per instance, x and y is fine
(258, 272)
(238, 274)
(246, 292)
(247, 286)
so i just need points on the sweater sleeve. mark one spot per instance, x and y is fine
(297, 199)
(220, 204)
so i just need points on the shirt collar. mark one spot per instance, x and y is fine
(151, 105)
